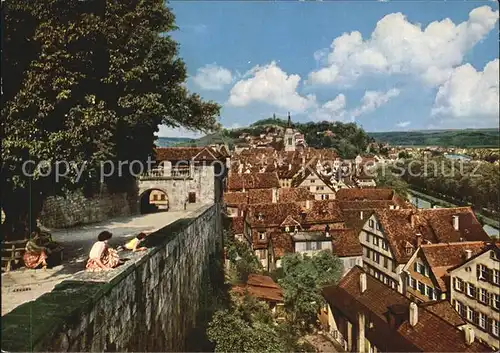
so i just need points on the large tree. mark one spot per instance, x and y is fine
(303, 278)
(84, 82)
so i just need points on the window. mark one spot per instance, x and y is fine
(377, 275)
(413, 283)
(368, 237)
(496, 276)
(370, 223)
(386, 262)
(155, 197)
(430, 292)
(368, 253)
(384, 245)
(471, 290)
(262, 254)
(378, 226)
(162, 197)
(327, 197)
(470, 314)
(482, 272)
(376, 257)
(313, 181)
(375, 241)
(393, 266)
(483, 296)
(262, 236)
(495, 327)
(459, 285)
(289, 140)
(458, 307)
(421, 288)
(482, 320)
(495, 303)
(409, 250)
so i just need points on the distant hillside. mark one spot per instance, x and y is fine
(171, 141)
(445, 138)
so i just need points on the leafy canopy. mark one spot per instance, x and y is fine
(87, 81)
(303, 278)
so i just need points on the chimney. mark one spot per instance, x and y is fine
(391, 207)
(419, 239)
(289, 166)
(361, 215)
(362, 282)
(456, 225)
(275, 195)
(412, 220)
(469, 335)
(308, 204)
(468, 254)
(413, 314)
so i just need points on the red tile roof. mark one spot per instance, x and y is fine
(282, 243)
(435, 226)
(356, 194)
(260, 196)
(294, 194)
(237, 225)
(235, 198)
(185, 153)
(434, 331)
(248, 181)
(261, 287)
(345, 242)
(443, 256)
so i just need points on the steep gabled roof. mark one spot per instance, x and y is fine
(238, 182)
(435, 225)
(345, 242)
(435, 330)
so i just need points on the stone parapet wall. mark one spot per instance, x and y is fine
(147, 305)
(75, 209)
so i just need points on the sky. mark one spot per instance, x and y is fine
(386, 65)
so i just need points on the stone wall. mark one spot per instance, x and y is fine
(76, 209)
(151, 304)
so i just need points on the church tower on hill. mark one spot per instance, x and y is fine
(289, 135)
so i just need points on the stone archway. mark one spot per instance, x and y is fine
(153, 200)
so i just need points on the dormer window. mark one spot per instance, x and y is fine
(287, 229)
(262, 236)
(260, 216)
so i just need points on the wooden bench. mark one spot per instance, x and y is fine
(12, 253)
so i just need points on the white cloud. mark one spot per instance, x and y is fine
(212, 77)
(398, 46)
(331, 110)
(470, 94)
(336, 108)
(373, 100)
(403, 123)
(269, 84)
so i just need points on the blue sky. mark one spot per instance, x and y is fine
(387, 66)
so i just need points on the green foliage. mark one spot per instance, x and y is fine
(304, 277)
(387, 177)
(247, 326)
(464, 183)
(241, 257)
(87, 81)
(445, 138)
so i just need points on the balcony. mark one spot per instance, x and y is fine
(162, 174)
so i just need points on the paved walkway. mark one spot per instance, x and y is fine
(24, 285)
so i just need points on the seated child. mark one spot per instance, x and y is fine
(134, 243)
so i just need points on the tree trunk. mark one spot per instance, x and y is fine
(21, 213)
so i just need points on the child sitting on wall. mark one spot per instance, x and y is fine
(134, 243)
